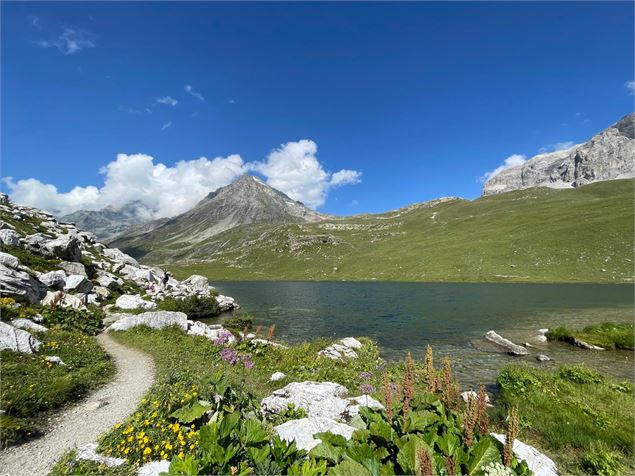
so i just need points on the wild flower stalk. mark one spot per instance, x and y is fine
(450, 466)
(408, 384)
(510, 436)
(245, 331)
(388, 397)
(258, 331)
(481, 411)
(431, 378)
(446, 390)
(271, 332)
(425, 461)
(469, 421)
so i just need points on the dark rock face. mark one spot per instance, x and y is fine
(608, 155)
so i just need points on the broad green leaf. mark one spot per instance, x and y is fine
(481, 454)
(448, 443)
(335, 440)
(253, 432)
(185, 467)
(349, 468)
(381, 431)
(328, 452)
(189, 413)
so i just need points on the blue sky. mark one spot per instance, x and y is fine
(412, 101)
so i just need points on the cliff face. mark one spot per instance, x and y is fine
(608, 155)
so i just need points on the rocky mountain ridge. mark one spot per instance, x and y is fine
(110, 221)
(54, 263)
(246, 201)
(609, 155)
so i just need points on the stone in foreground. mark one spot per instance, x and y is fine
(154, 468)
(344, 348)
(17, 340)
(28, 325)
(89, 453)
(155, 320)
(301, 431)
(513, 349)
(540, 464)
(133, 301)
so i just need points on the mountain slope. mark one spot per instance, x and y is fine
(245, 201)
(535, 235)
(608, 155)
(110, 221)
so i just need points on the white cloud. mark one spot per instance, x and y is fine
(557, 147)
(295, 170)
(167, 100)
(166, 125)
(511, 161)
(630, 85)
(168, 191)
(71, 41)
(193, 93)
(232, 101)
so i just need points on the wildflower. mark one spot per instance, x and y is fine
(481, 406)
(510, 436)
(366, 375)
(450, 465)
(408, 384)
(431, 380)
(469, 421)
(247, 362)
(181, 455)
(366, 388)
(118, 425)
(271, 332)
(223, 338)
(425, 461)
(229, 355)
(147, 451)
(388, 397)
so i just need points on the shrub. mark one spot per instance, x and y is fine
(88, 322)
(601, 462)
(238, 323)
(195, 307)
(578, 374)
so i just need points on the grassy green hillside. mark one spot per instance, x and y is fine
(534, 235)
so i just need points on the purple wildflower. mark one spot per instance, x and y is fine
(248, 364)
(223, 338)
(366, 375)
(229, 355)
(366, 388)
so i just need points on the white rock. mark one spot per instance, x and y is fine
(54, 359)
(155, 320)
(154, 468)
(355, 403)
(73, 268)
(89, 453)
(226, 303)
(109, 280)
(102, 293)
(197, 328)
(54, 279)
(512, 348)
(351, 343)
(17, 340)
(301, 431)
(78, 283)
(472, 394)
(539, 464)
(133, 301)
(9, 260)
(585, 345)
(197, 282)
(543, 358)
(119, 256)
(317, 399)
(277, 376)
(65, 247)
(63, 300)
(9, 237)
(28, 325)
(20, 285)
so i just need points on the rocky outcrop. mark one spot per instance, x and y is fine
(301, 431)
(20, 285)
(63, 300)
(78, 283)
(28, 325)
(513, 349)
(539, 464)
(154, 320)
(608, 155)
(89, 453)
(54, 279)
(9, 237)
(17, 340)
(133, 301)
(317, 399)
(344, 348)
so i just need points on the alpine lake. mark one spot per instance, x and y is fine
(450, 317)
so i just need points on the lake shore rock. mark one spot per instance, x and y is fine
(513, 349)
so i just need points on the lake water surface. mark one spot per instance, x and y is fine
(451, 317)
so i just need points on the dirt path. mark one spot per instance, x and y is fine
(83, 423)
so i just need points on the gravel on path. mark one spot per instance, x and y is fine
(84, 423)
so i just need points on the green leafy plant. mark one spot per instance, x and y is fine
(195, 307)
(89, 322)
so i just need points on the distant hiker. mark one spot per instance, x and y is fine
(86, 299)
(165, 279)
